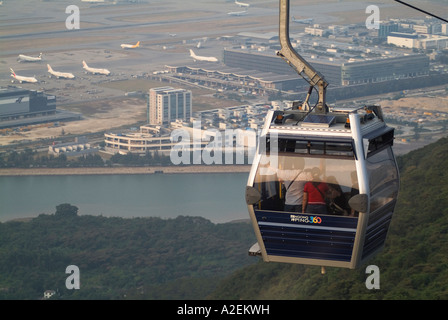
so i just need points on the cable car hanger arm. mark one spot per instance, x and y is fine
(297, 62)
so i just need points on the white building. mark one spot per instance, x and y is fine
(167, 104)
(406, 40)
(148, 139)
(316, 31)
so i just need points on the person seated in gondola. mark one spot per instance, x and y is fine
(337, 203)
(294, 180)
(314, 194)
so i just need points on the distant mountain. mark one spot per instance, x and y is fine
(413, 265)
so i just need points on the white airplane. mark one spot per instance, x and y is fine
(95, 70)
(25, 58)
(303, 21)
(201, 58)
(242, 4)
(237, 13)
(22, 78)
(131, 46)
(58, 75)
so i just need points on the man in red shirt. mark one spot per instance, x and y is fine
(314, 194)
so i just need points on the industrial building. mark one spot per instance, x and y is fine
(167, 104)
(16, 101)
(21, 107)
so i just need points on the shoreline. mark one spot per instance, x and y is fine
(5, 172)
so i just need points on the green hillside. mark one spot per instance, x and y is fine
(413, 265)
(138, 258)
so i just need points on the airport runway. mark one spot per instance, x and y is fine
(163, 28)
(30, 28)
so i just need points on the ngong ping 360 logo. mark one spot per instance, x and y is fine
(306, 219)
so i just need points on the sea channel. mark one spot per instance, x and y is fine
(218, 197)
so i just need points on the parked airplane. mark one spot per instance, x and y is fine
(201, 58)
(237, 13)
(242, 4)
(25, 58)
(303, 21)
(130, 46)
(95, 70)
(22, 78)
(58, 75)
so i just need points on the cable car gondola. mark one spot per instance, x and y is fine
(343, 154)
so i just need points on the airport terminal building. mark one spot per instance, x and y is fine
(338, 72)
(255, 71)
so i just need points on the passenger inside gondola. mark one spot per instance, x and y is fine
(294, 180)
(281, 178)
(293, 176)
(337, 202)
(315, 194)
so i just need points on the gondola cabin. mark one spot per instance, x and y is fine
(345, 155)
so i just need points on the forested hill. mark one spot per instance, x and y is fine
(413, 265)
(118, 258)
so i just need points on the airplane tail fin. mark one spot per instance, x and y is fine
(49, 68)
(138, 44)
(192, 54)
(84, 64)
(40, 55)
(12, 72)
